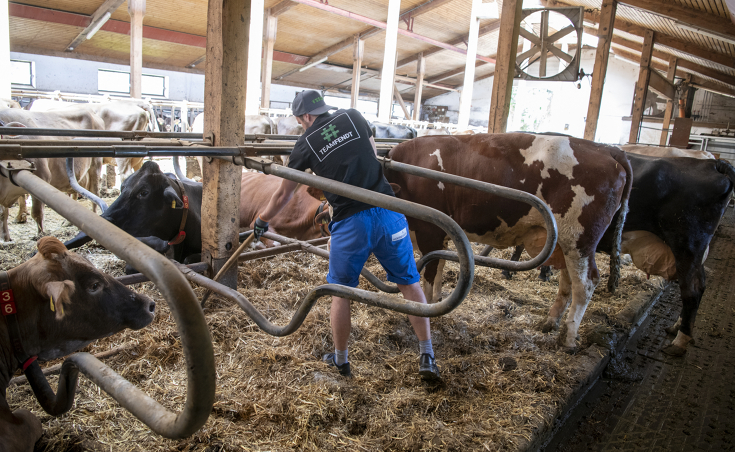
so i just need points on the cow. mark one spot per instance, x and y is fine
(62, 303)
(87, 170)
(288, 125)
(675, 207)
(666, 151)
(382, 130)
(8, 103)
(120, 115)
(150, 208)
(584, 184)
(428, 132)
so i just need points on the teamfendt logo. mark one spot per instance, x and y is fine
(330, 133)
(318, 99)
(339, 131)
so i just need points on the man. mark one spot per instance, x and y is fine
(340, 146)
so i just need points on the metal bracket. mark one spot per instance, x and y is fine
(408, 20)
(8, 167)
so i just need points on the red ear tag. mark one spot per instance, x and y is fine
(7, 302)
(186, 202)
(178, 239)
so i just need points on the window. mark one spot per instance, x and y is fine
(22, 73)
(119, 82)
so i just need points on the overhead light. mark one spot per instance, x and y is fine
(704, 31)
(311, 65)
(99, 25)
(488, 11)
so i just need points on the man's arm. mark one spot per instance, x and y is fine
(279, 199)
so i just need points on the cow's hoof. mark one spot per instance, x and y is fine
(21, 219)
(672, 330)
(569, 350)
(547, 326)
(507, 275)
(674, 350)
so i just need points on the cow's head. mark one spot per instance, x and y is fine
(324, 215)
(148, 204)
(71, 302)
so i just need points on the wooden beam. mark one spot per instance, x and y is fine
(97, 20)
(707, 85)
(731, 7)
(5, 76)
(510, 20)
(465, 98)
(136, 9)
(670, 74)
(388, 71)
(269, 36)
(397, 96)
(420, 71)
(281, 7)
(357, 54)
(228, 30)
(659, 85)
(701, 19)
(641, 88)
(599, 72)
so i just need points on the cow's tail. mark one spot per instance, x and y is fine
(614, 279)
(152, 118)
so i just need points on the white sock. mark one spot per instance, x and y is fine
(426, 347)
(340, 356)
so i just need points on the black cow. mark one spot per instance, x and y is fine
(150, 208)
(382, 130)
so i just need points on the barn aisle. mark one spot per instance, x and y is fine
(648, 401)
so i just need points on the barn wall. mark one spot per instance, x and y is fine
(80, 76)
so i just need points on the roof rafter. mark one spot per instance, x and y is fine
(701, 19)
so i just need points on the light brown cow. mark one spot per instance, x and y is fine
(62, 303)
(296, 220)
(584, 184)
(666, 151)
(87, 170)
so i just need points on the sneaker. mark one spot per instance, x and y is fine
(428, 369)
(344, 369)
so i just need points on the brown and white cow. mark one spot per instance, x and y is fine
(584, 184)
(297, 220)
(62, 303)
(87, 170)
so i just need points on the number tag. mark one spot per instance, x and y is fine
(7, 302)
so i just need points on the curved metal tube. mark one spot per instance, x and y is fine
(61, 402)
(552, 232)
(195, 338)
(455, 233)
(180, 174)
(79, 189)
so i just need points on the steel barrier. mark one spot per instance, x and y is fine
(195, 338)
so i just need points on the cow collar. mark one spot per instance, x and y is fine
(7, 305)
(178, 238)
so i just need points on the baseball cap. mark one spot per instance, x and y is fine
(310, 101)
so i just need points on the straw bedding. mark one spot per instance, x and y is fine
(503, 379)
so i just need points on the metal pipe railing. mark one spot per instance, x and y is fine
(441, 220)
(102, 142)
(79, 189)
(509, 193)
(195, 338)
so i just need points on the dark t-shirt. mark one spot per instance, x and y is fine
(337, 147)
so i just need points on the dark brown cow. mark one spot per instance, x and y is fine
(583, 182)
(296, 220)
(61, 303)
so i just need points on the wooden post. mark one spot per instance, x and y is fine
(136, 9)
(641, 88)
(358, 50)
(465, 99)
(544, 32)
(399, 99)
(510, 24)
(271, 26)
(228, 32)
(420, 72)
(670, 74)
(255, 50)
(388, 72)
(604, 39)
(4, 50)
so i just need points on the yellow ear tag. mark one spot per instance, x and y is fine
(62, 309)
(173, 204)
(52, 304)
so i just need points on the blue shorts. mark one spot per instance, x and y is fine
(378, 231)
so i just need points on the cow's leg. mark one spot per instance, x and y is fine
(563, 297)
(433, 290)
(5, 231)
(545, 273)
(515, 258)
(584, 277)
(20, 429)
(22, 210)
(37, 213)
(427, 241)
(692, 284)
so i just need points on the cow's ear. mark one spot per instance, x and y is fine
(316, 193)
(58, 293)
(169, 194)
(396, 188)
